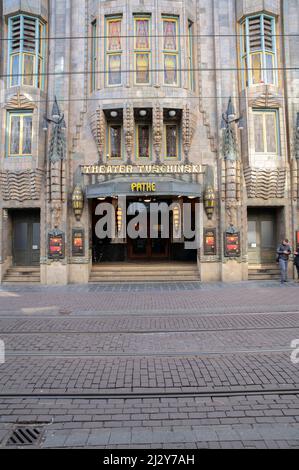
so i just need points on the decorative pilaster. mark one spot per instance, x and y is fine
(188, 128)
(231, 180)
(157, 131)
(129, 131)
(98, 128)
(56, 169)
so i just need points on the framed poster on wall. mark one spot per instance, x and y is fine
(232, 245)
(78, 239)
(210, 246)
(56, 245)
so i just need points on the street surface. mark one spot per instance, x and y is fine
(170, 365)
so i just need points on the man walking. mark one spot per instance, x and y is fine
(283, 252)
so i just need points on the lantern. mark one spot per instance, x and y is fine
(209, 202)
(78, 202)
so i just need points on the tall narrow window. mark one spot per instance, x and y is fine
(142, 50)
(266, 132)
(26, 51)
(113, 51)
(170, 50)
(191, 56)
(171, 138)
(93, 55)
(19, 134)
(115, 141)
(143, 141)
(258, 50)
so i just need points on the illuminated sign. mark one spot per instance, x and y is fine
(78, 242)
(141, 169)
(56, 245)
(210, 248)
(232, 245)
(297, 240)
(143, 187)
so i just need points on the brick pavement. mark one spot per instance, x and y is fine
(153, 298)
(168, 338)
(148, 374)
(149, 343)
(197, 422)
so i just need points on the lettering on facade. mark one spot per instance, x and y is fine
(143, 187)
(140, 169)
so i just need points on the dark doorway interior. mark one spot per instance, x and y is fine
(26, 237)
(263, 235)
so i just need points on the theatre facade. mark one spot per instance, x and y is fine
(146, 141)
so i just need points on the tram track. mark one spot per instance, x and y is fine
(135, 395)
(61, 355)
(147, 332)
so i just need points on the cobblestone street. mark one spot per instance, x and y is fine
(151, 365)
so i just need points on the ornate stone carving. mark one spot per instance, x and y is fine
(129, 131)
(157, 131)
(265, 184)
(231, 174)
(188, 128)
(265, 99)
(97, 124)
(21, 185)
(19, 101)
(56, 169)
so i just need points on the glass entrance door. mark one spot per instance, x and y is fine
(26, 240)
(262, 238)
(148, 248)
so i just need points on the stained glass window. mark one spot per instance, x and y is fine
(143, 141)
(142, 68)
(19, 134)
(170, 34)
(266, 132)
(142, 50)
(115, 141)
(170, 67)
(171, 141)
(114, 51)
(142, 34)
(26, 51)
(170, 50)
(258, 50)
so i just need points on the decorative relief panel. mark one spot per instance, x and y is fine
(19, 101)
(21, 185)
(265, 184)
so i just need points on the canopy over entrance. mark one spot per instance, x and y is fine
(143, 186)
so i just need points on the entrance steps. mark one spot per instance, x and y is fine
(19, 274)
(144, 272)
(263, 272)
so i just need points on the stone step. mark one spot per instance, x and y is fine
(262, 277)
(22, 274)
(21, 279)
(141, 272)
(143, 267)
(144, 279)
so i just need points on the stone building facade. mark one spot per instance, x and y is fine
(193, 101)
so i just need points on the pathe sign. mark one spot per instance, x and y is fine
(143, 187)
